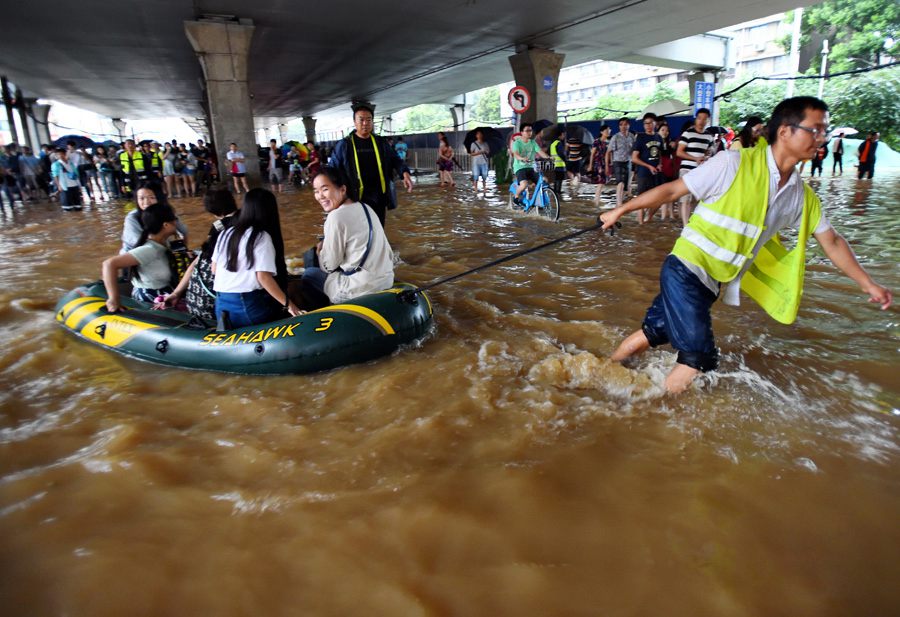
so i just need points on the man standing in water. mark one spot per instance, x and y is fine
(692, 150)
(746, 197)
(866, 154)
(370, 162)
(618, 155)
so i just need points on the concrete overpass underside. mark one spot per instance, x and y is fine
(132, 59)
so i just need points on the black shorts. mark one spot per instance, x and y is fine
(526, 174)
(650, 181)
(237, 175)
(620, 171)
(574, 167)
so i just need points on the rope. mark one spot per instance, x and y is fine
(409, 295)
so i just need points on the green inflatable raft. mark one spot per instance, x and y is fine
(362, 329)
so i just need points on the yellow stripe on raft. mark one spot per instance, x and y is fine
(400, 290)
(83, 311)
(71, 305)
(113, 329)
(366, 313)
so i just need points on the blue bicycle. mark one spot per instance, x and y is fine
(538, 199)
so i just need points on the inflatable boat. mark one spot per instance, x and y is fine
(365, 328)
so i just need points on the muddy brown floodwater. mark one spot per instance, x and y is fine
(500, 467)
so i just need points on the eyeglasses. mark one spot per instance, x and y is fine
(816, 133)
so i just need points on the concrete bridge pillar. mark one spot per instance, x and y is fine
(309, 123)
(41, 113)
(538, 70)
(282, 133)
(458, 112)
(7, 102)
(31, 125)
(387, 125)
(223, 48)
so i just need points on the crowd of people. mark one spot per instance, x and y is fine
(733, 199)
(76, 175)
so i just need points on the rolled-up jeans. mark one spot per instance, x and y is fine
(248, 308)
(680, 315)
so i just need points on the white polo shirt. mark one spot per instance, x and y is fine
(710, 181)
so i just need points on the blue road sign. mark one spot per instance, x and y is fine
(704, 94)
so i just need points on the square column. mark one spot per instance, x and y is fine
(41, 113)
(538, 70)
(223, 49)
(309, 123)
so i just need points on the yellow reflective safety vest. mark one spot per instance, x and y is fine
(558, 161)
(720, 238)
(137, 158)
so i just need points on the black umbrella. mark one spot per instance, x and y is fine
(495, 141)
(540, 125)
(145, 142)
(553, 132)
(80, 141)
(717, 130)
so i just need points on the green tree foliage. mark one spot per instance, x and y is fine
(860, 33)
(426, 118)
(613, 105)
(757, 99)
(663, 91)
(486, 108)
(868, 102)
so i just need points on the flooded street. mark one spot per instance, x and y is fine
(502, 466)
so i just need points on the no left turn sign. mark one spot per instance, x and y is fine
(519, 99)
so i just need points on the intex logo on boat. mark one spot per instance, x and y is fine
(249, 337)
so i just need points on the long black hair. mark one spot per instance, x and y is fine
(746, 134)
(258, 214)
(220, 203)
(339, 179)
(157, 189)
(153, 218)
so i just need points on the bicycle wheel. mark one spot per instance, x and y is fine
(550, 206)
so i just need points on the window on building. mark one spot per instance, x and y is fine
(759, 35)
(781, 65)
(628, 85)
(644, 83)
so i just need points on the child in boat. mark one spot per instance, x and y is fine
(152, 274)
(197, 283)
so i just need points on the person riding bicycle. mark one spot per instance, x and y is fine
(524, 150)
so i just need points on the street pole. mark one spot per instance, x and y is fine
(794, 62)
(824, 65)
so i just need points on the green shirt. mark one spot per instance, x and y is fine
(525, 150)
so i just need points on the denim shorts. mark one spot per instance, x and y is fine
(680, 315)
(479, 169)
(249, 308)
